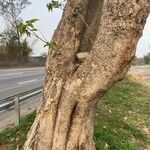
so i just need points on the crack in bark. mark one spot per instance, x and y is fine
(57, 108)
(71, 118)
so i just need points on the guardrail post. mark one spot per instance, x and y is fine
(17, 111)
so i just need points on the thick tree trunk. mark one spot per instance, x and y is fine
(109, 31)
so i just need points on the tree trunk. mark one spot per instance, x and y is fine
(108, 31)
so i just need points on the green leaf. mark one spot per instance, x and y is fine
(22, 28)
(30, 25)
(51, 45)
(25, 28)
(53, 4)
(31, 21)
(49, 6)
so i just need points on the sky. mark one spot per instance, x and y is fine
(48, 22)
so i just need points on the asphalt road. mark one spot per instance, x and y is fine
(15, 81)
(145, 69)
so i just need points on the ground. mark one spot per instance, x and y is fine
(122, 121)
(140, 74)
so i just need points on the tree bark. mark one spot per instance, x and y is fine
(109, 31)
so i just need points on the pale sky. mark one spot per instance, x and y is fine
(48, 22)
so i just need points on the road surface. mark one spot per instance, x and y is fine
(144, 71)
(15, 81)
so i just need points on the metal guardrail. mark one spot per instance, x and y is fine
(10, 101)
(20, 94)
(15, 100)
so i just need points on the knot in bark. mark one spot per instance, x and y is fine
(76, 11)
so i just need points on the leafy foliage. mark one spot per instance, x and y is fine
(18, 52)
(53, 4)
(10, 10)
(51, 45)
(12, 7)
(12, 50)
(27, 27)
(147, 59)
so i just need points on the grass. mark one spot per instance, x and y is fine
(122, 121)
(13, 138)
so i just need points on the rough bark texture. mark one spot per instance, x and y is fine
(109, 31)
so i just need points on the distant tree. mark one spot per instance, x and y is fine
(147, 59)
(138, 61)
(11, 48)
(10, 10)
(44, 54)
(17, 52)
(7, 34)
(3, 53)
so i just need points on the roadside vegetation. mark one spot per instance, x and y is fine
(14, 48)
(122, 121)
(14, 54)
(145, 60)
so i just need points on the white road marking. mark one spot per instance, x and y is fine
(25, 82)
(9, 88)
(11, 74)
(14, 87)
